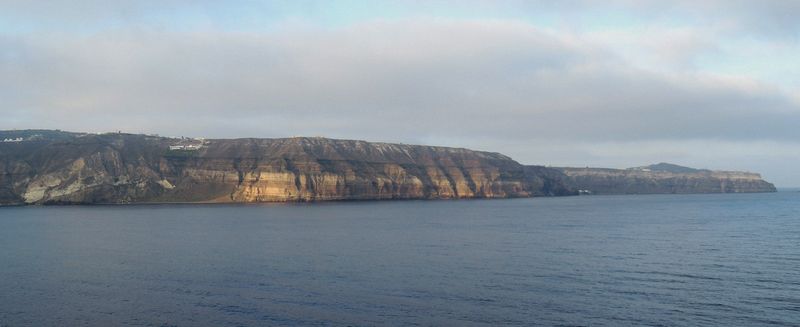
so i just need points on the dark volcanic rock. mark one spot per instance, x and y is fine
(51, 167)
(663, 178)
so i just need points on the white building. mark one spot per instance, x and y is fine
(189, 147)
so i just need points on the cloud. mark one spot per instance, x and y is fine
(484, 77)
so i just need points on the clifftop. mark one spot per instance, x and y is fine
(335, 149)
(668, 167)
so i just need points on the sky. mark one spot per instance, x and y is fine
(708, 84)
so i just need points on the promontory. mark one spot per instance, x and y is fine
(663, 178)
(54, 167)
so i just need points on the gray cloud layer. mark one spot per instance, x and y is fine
(540, 96)
(463, 77)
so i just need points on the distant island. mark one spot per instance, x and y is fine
(663, 178)
(57, 167)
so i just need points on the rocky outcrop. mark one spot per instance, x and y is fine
(663, 178)
(65, 168)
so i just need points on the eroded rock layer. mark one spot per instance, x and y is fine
(57, 167)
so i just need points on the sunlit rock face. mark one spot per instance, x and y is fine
(57, 167)
(663, 178)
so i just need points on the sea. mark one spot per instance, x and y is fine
(636, 260)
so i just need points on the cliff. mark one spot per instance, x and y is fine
(663, 178)
(53, 167)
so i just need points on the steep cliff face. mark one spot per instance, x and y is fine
(124, 168)
(663, 178)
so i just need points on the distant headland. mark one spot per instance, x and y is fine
(57, 167)
(663, 178)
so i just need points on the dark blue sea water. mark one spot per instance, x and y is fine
(660, 260)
